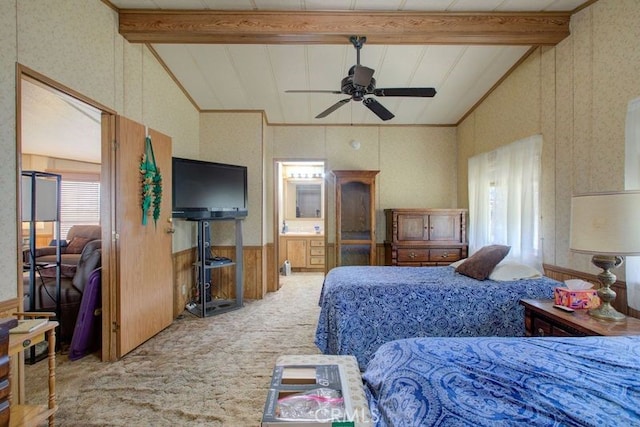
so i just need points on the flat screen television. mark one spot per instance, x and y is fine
(204, 190)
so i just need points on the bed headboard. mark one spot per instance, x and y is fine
(620, 287)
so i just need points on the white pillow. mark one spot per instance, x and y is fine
(512, 270)
(457, 263)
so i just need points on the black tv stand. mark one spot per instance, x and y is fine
(206, 305)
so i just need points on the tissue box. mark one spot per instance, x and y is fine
(576, 299)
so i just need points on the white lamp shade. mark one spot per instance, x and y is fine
(606, 223)
(46, 200)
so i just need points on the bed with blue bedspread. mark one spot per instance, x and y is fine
(363, 307)
(498, 381)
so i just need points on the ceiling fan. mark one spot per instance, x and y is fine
(360, 82)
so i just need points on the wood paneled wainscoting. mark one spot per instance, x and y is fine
(256, 282)
(620, 287)
(183, 279)
(254, 279)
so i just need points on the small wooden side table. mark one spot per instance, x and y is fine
(542, 319)
(35, 414)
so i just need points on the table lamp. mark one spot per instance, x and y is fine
(606, 225)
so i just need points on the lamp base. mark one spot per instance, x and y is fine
(606, 311)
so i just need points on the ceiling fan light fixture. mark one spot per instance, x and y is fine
(360, 82)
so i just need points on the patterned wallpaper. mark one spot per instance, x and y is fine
(576, 95)
(76, 43)
(243, 133)
(8, 227)
(415, 162)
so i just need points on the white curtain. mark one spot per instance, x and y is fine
(632, 182)
(480, 179)
(504, 200)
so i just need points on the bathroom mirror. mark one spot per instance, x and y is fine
(303, 199)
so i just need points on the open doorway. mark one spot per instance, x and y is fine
(300, 215)
(129, 290)
(60, 134)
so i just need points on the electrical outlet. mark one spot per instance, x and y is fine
(184, 289)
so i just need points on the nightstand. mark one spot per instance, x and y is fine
(541, 319)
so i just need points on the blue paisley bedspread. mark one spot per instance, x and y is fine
(362, 308)
(499, 381)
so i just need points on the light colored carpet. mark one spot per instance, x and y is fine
(198, 372)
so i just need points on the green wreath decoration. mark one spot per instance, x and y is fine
(151, 184)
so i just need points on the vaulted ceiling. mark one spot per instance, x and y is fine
(246, 54)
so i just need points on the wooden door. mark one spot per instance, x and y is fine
(144, 291)
(413, 227)
(297, 252)
(444, 227)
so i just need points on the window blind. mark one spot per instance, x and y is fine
(79, 204)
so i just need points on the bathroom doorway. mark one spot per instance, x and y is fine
(300, 215)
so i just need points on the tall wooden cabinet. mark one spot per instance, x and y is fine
(355, 217)
(425, 237)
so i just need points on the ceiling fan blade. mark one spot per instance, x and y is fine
(313, 91)
(333, 108)
(378, 109)
(362, 75)
(406, 91)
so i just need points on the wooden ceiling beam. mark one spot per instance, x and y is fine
(287, 27)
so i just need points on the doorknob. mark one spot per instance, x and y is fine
(170, 229)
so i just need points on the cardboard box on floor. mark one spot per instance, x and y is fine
(301, 373)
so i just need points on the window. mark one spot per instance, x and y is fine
(79, 204)
(504, 200)
(632, 182)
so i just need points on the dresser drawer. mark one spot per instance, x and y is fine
(5, 366)
(445, 255)
(413, 255)
(317, 251)
(316, 261)
(4, 389)
(317, 243)
(541, 328)
(5, 411)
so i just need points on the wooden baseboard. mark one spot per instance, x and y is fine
(620, 287)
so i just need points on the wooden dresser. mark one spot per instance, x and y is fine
(542, 319)
(425, 237)
(5, 384)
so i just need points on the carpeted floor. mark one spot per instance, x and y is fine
(198, 372)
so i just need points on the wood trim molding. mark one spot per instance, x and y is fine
(335, 27)
(497, 84)
(24, 71)
(172, 76)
